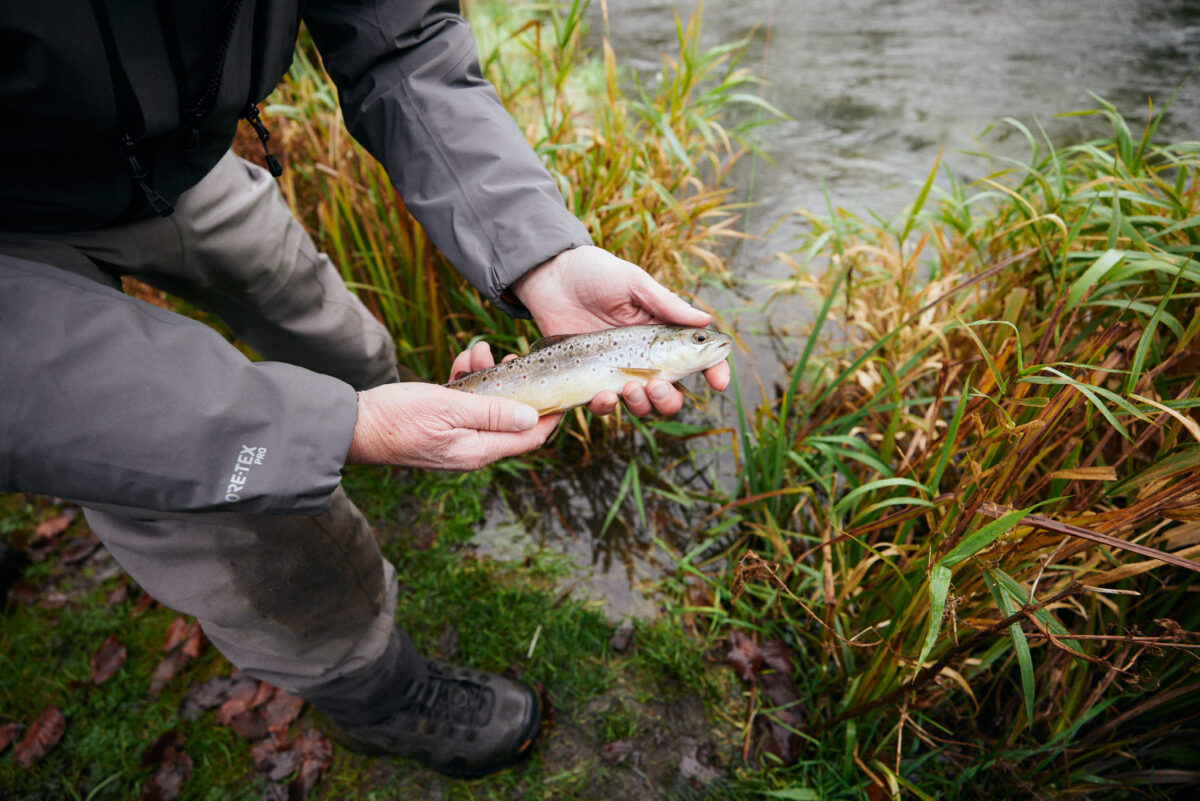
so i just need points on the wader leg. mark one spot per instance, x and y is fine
(305, 603)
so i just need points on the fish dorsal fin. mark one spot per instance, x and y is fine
(546, 342)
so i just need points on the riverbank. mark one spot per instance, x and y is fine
(899, 594)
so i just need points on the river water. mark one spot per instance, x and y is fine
(874, 90)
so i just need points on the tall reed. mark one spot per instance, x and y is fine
(996, 406)
(644, 172)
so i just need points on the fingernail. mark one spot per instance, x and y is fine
(524, 418)
(659, 391)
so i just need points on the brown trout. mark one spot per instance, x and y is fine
(563, 372)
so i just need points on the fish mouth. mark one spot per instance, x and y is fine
(716, 352)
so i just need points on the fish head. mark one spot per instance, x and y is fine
(678, 350)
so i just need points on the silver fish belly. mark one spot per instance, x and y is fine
(560, 373)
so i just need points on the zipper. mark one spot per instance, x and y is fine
(250, 115)
(160, 204)
(129, 113)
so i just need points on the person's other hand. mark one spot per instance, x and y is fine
(426, 425)
(586, 289)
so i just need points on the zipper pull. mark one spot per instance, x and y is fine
(250, 115)
(157, 202)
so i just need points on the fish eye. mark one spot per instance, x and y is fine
(699, 337)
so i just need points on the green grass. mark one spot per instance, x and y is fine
(599, 695)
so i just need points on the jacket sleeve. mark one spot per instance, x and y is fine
(413, 94)
(107, 399)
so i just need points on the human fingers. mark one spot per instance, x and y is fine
(477, 357)
(634, 395)
(481, 356)
(718, 376)
(664, 305)
(485, 447)
(665, 398)
(603, 403)
(489, 413)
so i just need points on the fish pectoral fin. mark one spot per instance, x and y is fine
(552, 410)
(640, 372)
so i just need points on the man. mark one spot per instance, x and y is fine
(214, 480)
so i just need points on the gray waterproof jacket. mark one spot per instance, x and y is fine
(106, 400)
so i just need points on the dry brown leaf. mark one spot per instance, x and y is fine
(616, 752)
(195, 641)
(744, 656)
(274, 760)
(177, 632)
(249, 724)
(172, 739)
(41, 738)
(315, 754)
(141, 605)
(166, 783)
(166, 670)
(107, 660)
(49, 529)
(281, 710)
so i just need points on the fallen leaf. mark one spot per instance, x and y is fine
(281, 710)
(275, 792)
(166, 782)
(616, 752)
(41, 738)
(213, 693)
(744, 656)
(249, 724)
(315, 753)
(777, 726)
(9, 733)
(262, 693)
(622, 638)
(170, 740)
(195, 641)
(241, 698)
(142, 604)
(118, 596)
(177, 632)
(171, 664)
(49, 529)
(777, 684)
(80, 549)
(107, 660)
(274, 759)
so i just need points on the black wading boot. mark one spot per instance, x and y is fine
(463, 723)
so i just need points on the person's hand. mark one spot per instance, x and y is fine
(426, 425)
(586, 289)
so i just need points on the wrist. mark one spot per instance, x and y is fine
(526, 287)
